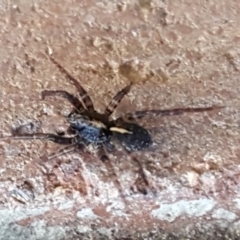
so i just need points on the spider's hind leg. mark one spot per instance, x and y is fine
(141, 182)
(168, 112)
(105, 159)
(82, 92)
(117, 99)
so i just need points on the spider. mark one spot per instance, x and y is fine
(88, 126)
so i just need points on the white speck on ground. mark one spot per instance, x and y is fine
(169, 212)
(19, 213)
(86, 213)
(224, 214)
(83, 229)
(66, 205)
(237, 202)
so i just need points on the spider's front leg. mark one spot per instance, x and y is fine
(43, 136)
(82, 92)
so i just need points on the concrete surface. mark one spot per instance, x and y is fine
(178, 54)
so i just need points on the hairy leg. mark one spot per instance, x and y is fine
(167, 112)
(117, 99)
(105, 159)
(70, 148)
(141, 182)
(85, 98)
(43, 136)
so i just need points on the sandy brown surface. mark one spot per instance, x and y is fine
(178, 54)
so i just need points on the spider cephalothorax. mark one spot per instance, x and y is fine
(91, 127)
(91, 131)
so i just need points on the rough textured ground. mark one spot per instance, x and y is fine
(178, 53)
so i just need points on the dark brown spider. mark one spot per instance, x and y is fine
(91, 127)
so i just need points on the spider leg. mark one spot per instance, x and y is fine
(43, 136)
(85, 98)
(71, 98)
(102, 154)
(143, 184)
(167, 112)
(105, 159)
(67, 149)
(116, 100)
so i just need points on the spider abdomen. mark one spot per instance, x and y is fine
(132, 136)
